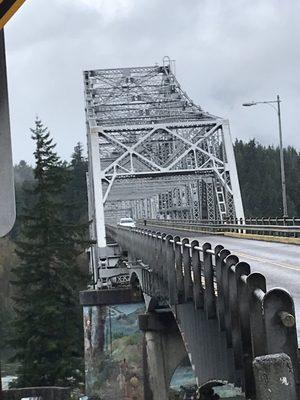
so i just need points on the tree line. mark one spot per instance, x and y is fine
(260, 179)
(258, 170)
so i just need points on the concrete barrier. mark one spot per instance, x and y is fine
(274, 377)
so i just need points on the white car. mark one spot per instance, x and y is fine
(129, 222)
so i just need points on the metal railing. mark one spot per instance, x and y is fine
(256, 321)
(264, 226)
(283, 221)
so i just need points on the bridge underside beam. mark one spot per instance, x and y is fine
(109, 297)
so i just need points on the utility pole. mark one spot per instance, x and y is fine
(283, 183)
(282, 171)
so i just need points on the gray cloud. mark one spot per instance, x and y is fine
(226, 53)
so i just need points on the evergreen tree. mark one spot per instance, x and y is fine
(24, 180)
(8, 260)
(76, 190)
(48, 327)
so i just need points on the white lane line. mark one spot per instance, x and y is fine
(266, 261)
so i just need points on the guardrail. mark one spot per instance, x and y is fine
(270, 221)
(257, 322)
(219, 227)
(247, 221)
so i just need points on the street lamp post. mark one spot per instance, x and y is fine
(277, 109)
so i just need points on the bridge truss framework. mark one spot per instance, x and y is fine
(153, 153)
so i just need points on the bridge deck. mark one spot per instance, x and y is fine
(280, 263)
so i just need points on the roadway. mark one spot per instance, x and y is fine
(280, 263)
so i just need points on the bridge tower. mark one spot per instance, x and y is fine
(154, 153)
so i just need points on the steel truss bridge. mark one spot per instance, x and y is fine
(154, 153)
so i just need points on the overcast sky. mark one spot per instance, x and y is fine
(226, 52)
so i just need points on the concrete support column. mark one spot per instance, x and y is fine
(164, 350)
(98, 340)
(274, 377)
(156, 381)
(94, 341)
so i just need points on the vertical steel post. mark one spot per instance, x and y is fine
(97, 183)
(230, 158)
